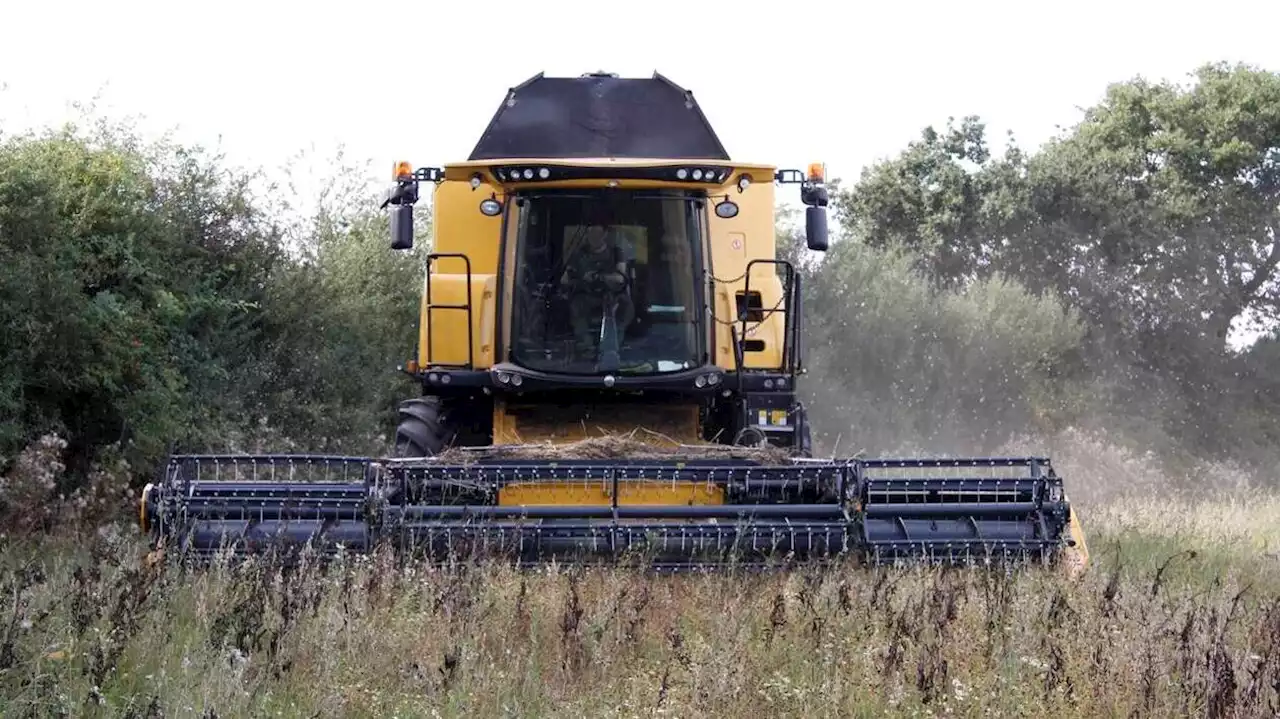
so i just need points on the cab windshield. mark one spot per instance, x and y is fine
(607, 281)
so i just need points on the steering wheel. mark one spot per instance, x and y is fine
(612, 282)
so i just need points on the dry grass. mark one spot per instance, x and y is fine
(1160, 633)
(1180, 616)
(616, 446)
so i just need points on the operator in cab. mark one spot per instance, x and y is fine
(594, 276)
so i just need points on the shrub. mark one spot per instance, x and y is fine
(897, 364)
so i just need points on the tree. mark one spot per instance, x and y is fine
(125, 275)
(945, 198)
(150, 298)
(1156, 216)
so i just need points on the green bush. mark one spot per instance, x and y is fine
(153, 298)
(896, 364)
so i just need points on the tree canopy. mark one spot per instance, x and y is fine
(153, 297)
(149, 298)
(1155, 217)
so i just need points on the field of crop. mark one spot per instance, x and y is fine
(1179, 616)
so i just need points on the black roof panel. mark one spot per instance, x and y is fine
(599, 115)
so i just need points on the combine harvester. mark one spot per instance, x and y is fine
(601, 268)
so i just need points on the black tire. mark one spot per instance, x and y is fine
(750, 436)
(424, 428)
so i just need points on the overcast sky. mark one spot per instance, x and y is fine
(788, 84)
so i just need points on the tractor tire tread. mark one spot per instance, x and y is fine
(423, 430)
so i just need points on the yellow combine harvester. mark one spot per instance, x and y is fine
(602, 268)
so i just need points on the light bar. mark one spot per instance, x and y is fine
(522, 174)
(714, 175)
(561, 173)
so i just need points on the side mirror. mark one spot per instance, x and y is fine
(815, 228)
(402, 227)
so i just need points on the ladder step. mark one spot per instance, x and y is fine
(448, 307)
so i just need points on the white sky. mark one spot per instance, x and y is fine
(787, 83)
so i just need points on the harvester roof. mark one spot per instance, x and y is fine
(599, 116)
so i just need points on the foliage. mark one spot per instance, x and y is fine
(1158, 210)
(1155, 217)
(153, 297)
(121, 269)
(148, 296)
(899, 363)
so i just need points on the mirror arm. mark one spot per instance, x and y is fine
(814, 195)
(403, 193)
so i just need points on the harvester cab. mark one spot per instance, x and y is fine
(608, 350)
(612, 274)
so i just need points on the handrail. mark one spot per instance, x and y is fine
(788, 361)
(465, 306)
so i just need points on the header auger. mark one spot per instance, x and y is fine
(608, 353)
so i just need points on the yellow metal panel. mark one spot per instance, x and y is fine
(771, 329)
(461, 173)
(509, 251)
(461, 228)
(1076, 559)
(448, 327)
(734, 242)
(630, 492)
(752, 227)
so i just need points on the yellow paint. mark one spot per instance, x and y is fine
(142, 507)
(462, 171)
(448, 327)
(630, 492)
(1077, 557)
(733, 243)
(459, 227)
